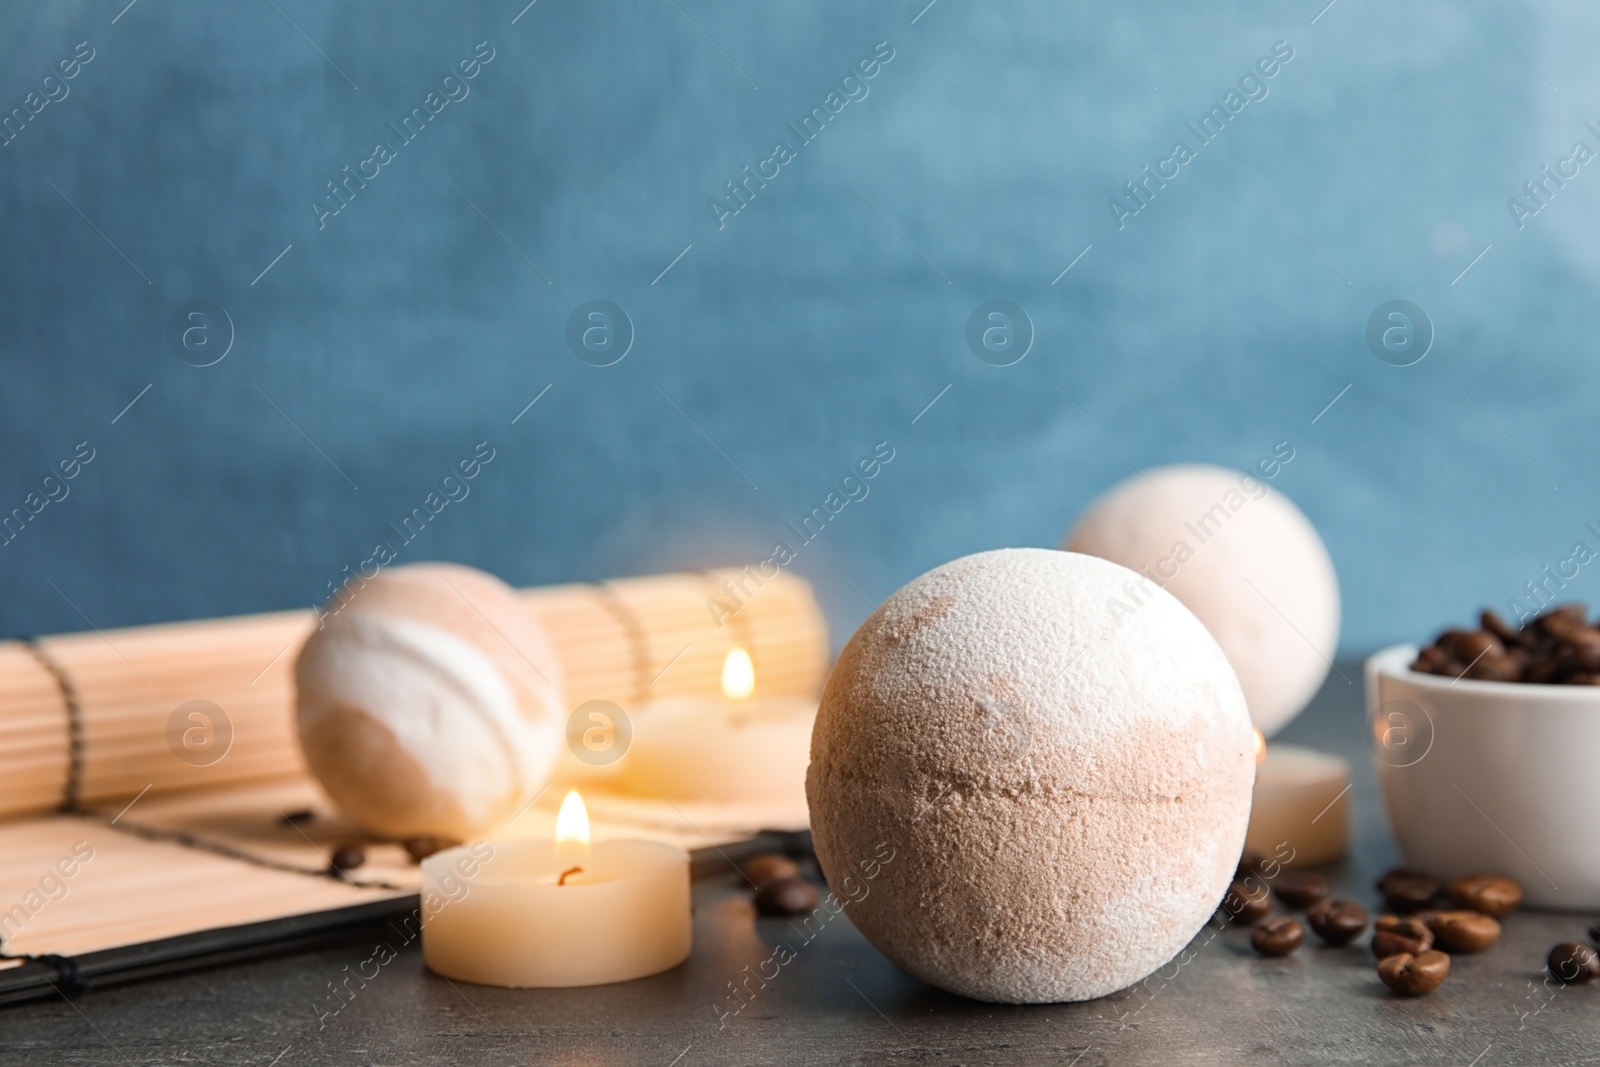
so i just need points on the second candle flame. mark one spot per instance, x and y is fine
(572, 826)
(738, 674)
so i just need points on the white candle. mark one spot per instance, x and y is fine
(738, 747)
(1302, 797)
(546, 914)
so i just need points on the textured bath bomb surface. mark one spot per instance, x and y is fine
(429, 702)
(1207, 534)
(1063, 799)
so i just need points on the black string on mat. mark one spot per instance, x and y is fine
(72, 791)
(633, 628)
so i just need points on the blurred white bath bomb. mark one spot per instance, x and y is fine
(1207, 535)
(1019, 800)
(429, 702)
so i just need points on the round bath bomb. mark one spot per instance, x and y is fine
(1206, 535)
(429, 702)
(1018, 799)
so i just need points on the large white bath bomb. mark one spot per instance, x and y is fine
(1019, 800)
(1242, 558)
(429, 702)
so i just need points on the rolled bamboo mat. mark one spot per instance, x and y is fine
(96, 717)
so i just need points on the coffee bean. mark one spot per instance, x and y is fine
(1562, 618)
(1495, 668)
(1248, 863)
(1437, 661)
(1581, 648)
(1430, 659)
(1490, 894)
(1407, 890)
(420, 848)
(1393, 934)
(1507, 634)
(1413, 974)
(1337, 922)
(786, 896)
(1468, 646)
(1542, 670)
(1463, 931)
(1300, 890)
(1278, 936)
(1572, 961)
(295, 818)
(1246, 901)
(348, 858)
(769, 867)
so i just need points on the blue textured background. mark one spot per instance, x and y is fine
(1215, 324)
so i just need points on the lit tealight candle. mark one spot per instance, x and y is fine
(1302, 797)
(535, 913)
(742, 747)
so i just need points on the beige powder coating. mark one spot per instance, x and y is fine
(1066, 798)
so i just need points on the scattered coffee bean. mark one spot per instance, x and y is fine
(1246, 901)
(1413, 974)
(1407, 890)
(786, 896)
(769, 867)
(1300, 890)
(1487, 893)
(348, 858)
(1572, 961)
(1558, 647)
(295, 818)
(1394, 934)
(1278, 936)
(1463, 931)
(1337, 922)
(420, 848)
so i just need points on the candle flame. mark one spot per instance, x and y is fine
(572, 822)
(1261, 744)
(738, 674)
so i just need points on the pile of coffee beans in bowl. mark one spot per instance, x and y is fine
(1557, 647)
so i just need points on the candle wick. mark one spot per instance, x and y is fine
(563, 879)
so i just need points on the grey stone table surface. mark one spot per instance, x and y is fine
(840, 1001)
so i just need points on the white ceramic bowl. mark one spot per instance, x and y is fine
(1490, 777)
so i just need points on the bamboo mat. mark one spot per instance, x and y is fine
(182, 847)
(226, 856)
